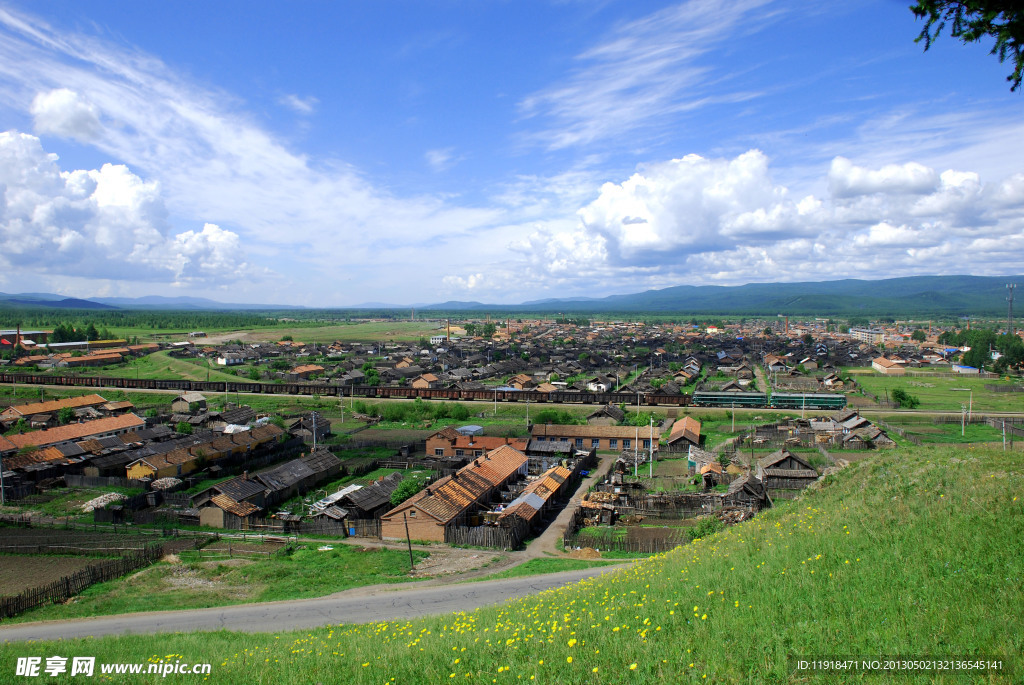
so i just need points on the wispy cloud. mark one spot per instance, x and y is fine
(213, 161)
(302, 105)
(644, 74)
(441, 159)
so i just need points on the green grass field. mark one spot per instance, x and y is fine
(944, 394)
(911, 552)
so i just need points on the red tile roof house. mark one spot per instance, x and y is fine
(426, 380)
(450, 500)
(73, 432)
(12, 414)
(448, 442)
(685, 432)
(887, 367)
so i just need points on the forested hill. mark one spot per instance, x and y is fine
(909, 296)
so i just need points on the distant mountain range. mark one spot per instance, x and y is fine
(908, 296)
(51, 300)
(912, 295)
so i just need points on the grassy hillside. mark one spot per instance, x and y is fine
(910, 552)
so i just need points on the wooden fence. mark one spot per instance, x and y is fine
(64, 588)
(73, 481)
(1004, 388)
(1012, 428)
(18, 492)
(494, 537)
(900, 432)
(338, 529)
(611, 539)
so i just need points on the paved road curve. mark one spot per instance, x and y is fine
(360, 605)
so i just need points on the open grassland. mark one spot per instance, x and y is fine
(211, 578)
(162, 365)
(356, 331)
(944, 394)
(910, 552)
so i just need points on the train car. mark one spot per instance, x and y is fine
(730, 399)
(801, 400)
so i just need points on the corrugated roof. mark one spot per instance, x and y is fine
(56, 405)
(452, 495)
(233, 507)
(587, 432)
(239, 488)
(76, 431)
(286, 475)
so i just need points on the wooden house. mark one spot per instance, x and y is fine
(451, 500)
(783, 470)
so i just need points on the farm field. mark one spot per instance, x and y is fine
(67, 502)
(162, 365)
(359, 331)
(20, 572)
(195, 580)
(943, 394)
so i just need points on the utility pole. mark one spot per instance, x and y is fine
(1009, 310)
(408, 540)
(650, 469)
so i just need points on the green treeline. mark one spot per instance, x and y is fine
(982, 342)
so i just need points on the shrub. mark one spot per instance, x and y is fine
(904, 399)
(406, 489)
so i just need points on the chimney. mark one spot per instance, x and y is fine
(476, 462)
(428, 491)
(245, 475)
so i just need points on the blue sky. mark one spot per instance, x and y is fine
(331, 154)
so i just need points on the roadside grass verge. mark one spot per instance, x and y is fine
(194, 584)
(537, 567)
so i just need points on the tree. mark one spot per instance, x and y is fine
(971, 20)
(184, 428)
(489, 330)
(904, 399)
(470, 329)
(406, 489)
(65, 415)
(918, 335)
(808, 339)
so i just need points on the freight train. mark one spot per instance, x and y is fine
(649, 399)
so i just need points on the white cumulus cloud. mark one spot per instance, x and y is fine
(849, 180)
(102, 223)
(693, 205)
(65, 113)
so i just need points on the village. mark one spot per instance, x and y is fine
(620, 478)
